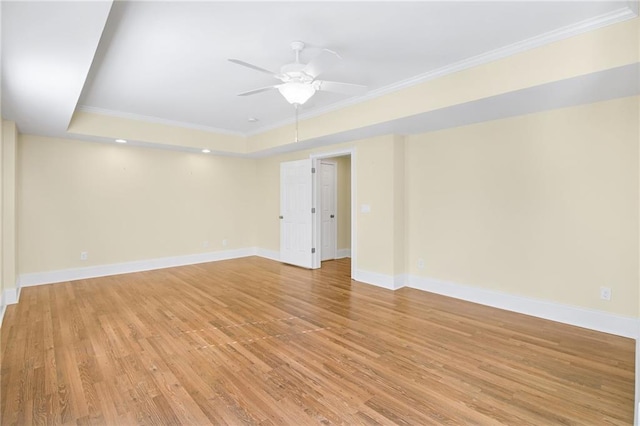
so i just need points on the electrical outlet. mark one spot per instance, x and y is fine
(84, 255)
(420, 263)
(205, 244)
(224, 242)
(605, 293)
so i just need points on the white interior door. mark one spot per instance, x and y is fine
(296, 217)
(328, 209)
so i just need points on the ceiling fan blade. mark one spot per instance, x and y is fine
(253, 67)
(322, 62)
(344, 88)
(253, 92)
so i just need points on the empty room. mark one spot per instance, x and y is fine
(298, 213)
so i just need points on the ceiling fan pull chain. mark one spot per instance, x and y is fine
(296, 105)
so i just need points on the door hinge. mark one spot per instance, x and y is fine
(313, 250)
(313, 170)
(313, 209)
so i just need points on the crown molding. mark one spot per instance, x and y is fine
(613, 17)
(156, 120)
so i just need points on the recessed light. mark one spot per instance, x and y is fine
(206, 151)
(252, 119)
(121, 141)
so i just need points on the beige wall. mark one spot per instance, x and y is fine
(9, 206)
(543, 205)
(375, 188)
(399, 206)
(92, 124)
(122, 203)
(344, 202)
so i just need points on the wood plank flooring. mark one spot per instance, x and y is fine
(252, 341)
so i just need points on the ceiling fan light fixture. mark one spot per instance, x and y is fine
(296, 93)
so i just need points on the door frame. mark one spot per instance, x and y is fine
(335, 205)
(315, 239)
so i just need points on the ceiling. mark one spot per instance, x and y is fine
(167, 61)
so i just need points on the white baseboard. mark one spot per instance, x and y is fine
(342, 253)
(389, 282)
(10, 296)
(581, 317)
(50, 277)
(268, 254)
(567, 314)
(636, 419)
(401, 280)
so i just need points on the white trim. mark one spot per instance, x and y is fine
(332, 154)
(342, 253)
(157, 120)
(50, 277)
(390, 282)
(3, 308)
(613, 17)
(401, 280)
(636, 405)
(374, 278)
(567, 314)
(316, 226)
(268, 254)
(318, 200)
(11, 296)
(354, 213)
(636, 411)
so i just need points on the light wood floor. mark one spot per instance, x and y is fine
(252, 341)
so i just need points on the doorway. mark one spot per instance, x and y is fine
(328, 208)
(301, 236)
(333, 195)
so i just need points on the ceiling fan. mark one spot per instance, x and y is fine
(300, 81)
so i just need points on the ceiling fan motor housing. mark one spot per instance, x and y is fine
(294, 72)
(297, 46)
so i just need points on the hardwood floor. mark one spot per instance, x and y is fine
(252, 341)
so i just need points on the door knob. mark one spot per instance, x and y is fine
(332, 216)
(281, 217)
